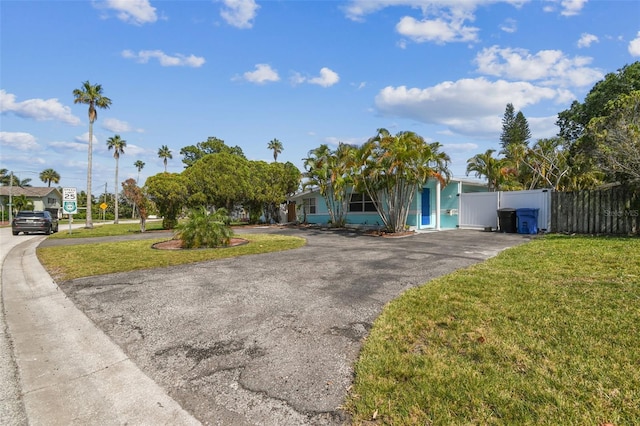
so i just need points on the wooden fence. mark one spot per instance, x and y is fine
(612, 211)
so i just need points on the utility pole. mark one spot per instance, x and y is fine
(104, 211)
(10, 197)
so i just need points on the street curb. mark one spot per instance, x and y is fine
(70, 371)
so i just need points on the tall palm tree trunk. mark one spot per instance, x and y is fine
(89, 220)
(116, 195)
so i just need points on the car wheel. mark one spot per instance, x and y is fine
(48, 231)
(15, 232)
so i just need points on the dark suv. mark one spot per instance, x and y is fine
(34, 221)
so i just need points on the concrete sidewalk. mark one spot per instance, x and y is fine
(69, 371)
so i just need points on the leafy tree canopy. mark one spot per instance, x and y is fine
(212, 145)
(49, 175)
(617, 138)
(135, 196)
(220, 180)
(169, 193)
(331, 171)
(573, 121)
(495, 170)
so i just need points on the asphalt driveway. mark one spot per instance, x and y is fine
(270, 339)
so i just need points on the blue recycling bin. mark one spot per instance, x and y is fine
(527, 221)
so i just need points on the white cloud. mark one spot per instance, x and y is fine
(239, 13)
(467, 106)
(572, 7)
(543, 127)
(118, 126)
(587, 39)
(134, 150)
(327, 78)
(38, 109)
(69, 146)
(634, 46)
(437, 30)
(509, 26)
(460, 147)
(263, 74)
(296, 79)
(18, 140)
(550, 67)
(442, 21)
(178, 60)
(136, 12)
(84, 138)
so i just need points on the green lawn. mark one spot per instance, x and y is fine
(545, 333)
(83, 260)
(104, 230)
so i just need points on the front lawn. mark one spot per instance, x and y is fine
(545, 333)
(83, 260)
(104, 229)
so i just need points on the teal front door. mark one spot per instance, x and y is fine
(426, 207)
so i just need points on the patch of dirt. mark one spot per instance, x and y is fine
(177, 244)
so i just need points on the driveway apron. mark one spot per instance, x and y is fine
(270, 339)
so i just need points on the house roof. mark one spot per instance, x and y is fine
(29, 191)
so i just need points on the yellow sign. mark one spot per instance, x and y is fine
(103, 206)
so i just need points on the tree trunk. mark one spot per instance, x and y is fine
(89, 220)
(115, 221)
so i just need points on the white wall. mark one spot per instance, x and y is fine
(480, 210)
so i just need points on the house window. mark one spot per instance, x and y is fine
(309, 205)
(361, 203)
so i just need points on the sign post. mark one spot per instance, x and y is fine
(69, 203)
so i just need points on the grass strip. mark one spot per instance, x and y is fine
(546, 333)
(69, 262)
(104, 230)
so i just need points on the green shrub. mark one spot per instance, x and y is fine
(202, 229)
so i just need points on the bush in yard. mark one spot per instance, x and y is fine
(205, 230)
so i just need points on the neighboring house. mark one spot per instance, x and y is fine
(432, 208)
(43, 198)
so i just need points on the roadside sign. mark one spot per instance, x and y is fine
(70, 207)
(103, 206)
(69, 194)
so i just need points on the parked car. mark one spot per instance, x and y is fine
(34, 221)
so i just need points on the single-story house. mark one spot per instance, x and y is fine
(433, 208)
(43, 198)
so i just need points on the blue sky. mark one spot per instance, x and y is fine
(304, 72)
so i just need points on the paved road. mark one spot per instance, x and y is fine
(269, 339)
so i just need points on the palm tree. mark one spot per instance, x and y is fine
(4, 177)
(392, 168)
(118, 146)
(165, 153)
(90, 94)
(16, 181)
(494, 169)
(8, 178)
(48, 176)
(21, 202)
(139, 164)
(276, 146)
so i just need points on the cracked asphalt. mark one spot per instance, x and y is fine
(270, 339)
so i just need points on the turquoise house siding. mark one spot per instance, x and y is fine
(423, 214)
